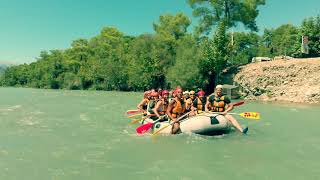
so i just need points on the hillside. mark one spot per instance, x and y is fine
(296, 80)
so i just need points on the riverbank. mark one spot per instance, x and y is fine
(294, 80)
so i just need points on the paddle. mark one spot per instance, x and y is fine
(238, 103)
(145, 127)
(133, 111)
(137, 120)
(140, 119)
(155, 133)
(139, 114)
(249, 115)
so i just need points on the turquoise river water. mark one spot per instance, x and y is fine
(57, 134)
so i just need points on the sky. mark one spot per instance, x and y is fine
(28, 27)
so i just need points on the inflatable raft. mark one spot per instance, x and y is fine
(204, 124)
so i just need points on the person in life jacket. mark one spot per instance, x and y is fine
(161, 107)
(160, 93)
(176, 109)
(144, 102)
(185, 95)
(222, 104)
(152, 103)
(170, 95)
(187, 100)
(189, 104)
(200, 102)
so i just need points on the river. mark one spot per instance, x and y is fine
(58, 134)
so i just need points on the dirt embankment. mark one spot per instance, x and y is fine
(295, 80)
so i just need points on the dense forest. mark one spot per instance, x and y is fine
(171, 55)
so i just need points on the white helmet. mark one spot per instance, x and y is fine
(186, 92)
(219, 86)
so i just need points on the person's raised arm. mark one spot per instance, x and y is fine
(155, 109)
(140, 105)
(169, 109)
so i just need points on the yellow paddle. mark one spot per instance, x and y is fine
(159, 130)
(249, 115)
(139, 114)
(137, 120)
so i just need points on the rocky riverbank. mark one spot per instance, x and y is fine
(294, 80)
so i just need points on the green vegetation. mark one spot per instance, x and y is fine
(169, 57)
(2, 69)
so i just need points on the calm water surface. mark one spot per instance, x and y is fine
(56, 134)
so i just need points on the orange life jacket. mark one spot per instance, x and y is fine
(188, 103)
(178, 110)
(200, 104)
(218, 104)
(163, 108)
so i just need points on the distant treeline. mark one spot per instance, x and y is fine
(2, 69)
(168, 57)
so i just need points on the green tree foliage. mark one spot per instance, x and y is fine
(167, 58)
(221, 14)
(185, 71)
(311, 27)
(172, 27)
(245, 47)
(231, 12)
(2, 69)
(143, 65)
(214, 57)
(283, 40)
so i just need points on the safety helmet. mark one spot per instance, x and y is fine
(219, 86)
(177, 90)
(201, 93)
(164, 92)
(154, 94)
(185, 92)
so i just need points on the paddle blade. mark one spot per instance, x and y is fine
(133, 111)
(251, 115)
(144, 128)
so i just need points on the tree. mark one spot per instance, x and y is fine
(311, 27)
(283, 40)
(231, 12)
(185, 71)
(214, 57)
(172, 27)
(144, 67)
(245, 47)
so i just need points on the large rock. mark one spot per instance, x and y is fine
(295, 80)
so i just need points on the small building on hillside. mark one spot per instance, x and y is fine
(282, 58)
(261, 59)
(232, 91)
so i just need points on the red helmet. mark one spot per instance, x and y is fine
(164, 92)
(177, 90)
(154, 94)
(201, 93)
